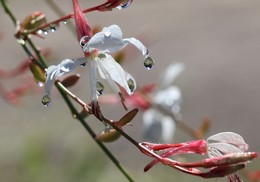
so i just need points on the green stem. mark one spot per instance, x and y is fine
(38, 53)
(91, 132)
(9, 12)
(88, 109)
(64, 95)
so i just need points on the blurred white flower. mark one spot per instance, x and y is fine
(159, 126)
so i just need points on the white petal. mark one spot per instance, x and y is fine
(152, 129)
(230, 138)
(50, 79)
(51, 71)
(92, 78)
(109, 69)
(80, 61)
(108, 40)
(170, 74)
(220, 149)
(128, 78)
(168, 129)
(158, 127)
(138, 44)
(65, 67)
(170, 98)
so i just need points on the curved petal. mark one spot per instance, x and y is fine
(79, 62)
(230, 138)
(220, 149)
(138, 44)
(50, 79)
(158, 127)
(66, 66)
(109, 69)
(108, 40)
(170, 74)
(52, 72)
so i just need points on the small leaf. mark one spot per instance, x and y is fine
(37, 72)
(70, 80)
(127, 118)
(108, 136)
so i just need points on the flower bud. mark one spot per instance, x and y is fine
(33, 21)
(37, 72)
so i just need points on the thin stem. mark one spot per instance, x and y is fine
(63, 93)
(59, 12)
(9, 12)
(66, 17)
(38, 53)
(90, 131)
(88, 109)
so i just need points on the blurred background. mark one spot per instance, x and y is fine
(218, 41)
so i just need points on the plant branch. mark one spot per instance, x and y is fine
(63, 93)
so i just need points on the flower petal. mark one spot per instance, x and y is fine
(170, 74)
(50, 79)
(220, 149)
(170, 98)
(92, 79)
(138, 44)
(158, 127)
(108, 40)
(230, 138)
(109, 69)
(65, 67)
(131, 82)
(52, 72)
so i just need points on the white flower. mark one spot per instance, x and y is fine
(159, 126)
(97, 50)
(110, 40)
